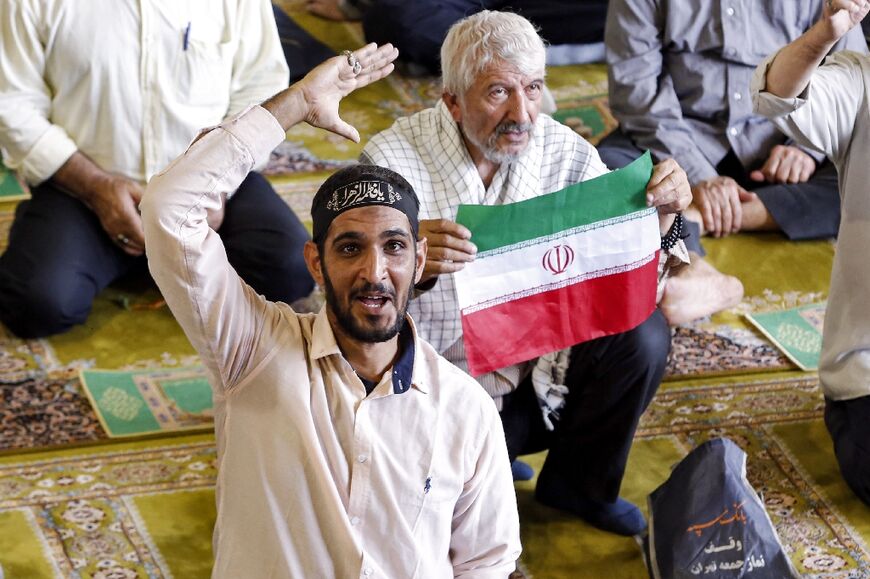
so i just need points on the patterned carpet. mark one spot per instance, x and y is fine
(146, 509)
(93, 508)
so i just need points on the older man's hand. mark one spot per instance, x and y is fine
(668, 191)
(449, 247)
(720, 202)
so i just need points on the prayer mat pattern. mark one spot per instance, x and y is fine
(126, 510)
(146, 509)
(40, 412)
(7, 212)
(696, 352)
(83, 517)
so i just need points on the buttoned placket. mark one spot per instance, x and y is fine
(732, 36)
(360, 473)
(150, 90)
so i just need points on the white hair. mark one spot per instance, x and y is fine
(476, 41)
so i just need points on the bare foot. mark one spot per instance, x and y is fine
(698, 290)
(326, 9)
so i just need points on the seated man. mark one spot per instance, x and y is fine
(826, 107)
(418, 28)
(486, 143)
(681, 90)
(347, 446)
(88, 118)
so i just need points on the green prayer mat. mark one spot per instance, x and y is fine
(133, 403)
(10, 186)
(795, 331)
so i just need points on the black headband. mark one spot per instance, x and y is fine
(359, 186)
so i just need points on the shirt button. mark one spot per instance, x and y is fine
(362, 458)
(730, 11)
(738, 96)
(354, 521)
(733, 131)
(731, 51)
(368, 571)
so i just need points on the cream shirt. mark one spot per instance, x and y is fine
(833, 115)
(127, 82)
(316, 479)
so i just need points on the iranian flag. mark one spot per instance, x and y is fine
(559, 269)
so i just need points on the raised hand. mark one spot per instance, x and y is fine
(315, 98)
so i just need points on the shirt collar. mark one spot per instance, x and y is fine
(404, 372)
(403, 369)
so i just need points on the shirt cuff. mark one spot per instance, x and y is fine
(697, 170)
(767, 104)
(47, 155)
(817, 156)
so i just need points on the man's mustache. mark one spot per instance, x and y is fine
(512, 127)
(374, 288)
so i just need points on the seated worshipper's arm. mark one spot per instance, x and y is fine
(642, 94)
(644, 101)
(259, 67)
(820, 113)
(219, 312)
(669, 191)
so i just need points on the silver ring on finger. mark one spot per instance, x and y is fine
(122, 239)
(352, 62)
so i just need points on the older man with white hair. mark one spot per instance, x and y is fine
(486, 143)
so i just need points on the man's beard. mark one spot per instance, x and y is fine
(349, 324)
(489, 148)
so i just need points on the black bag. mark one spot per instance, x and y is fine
(707, 521)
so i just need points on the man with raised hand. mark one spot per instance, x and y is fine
(486, 143)
(826, 107)
(346, 446)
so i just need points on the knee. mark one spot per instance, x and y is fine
(35, 310)
(616, 157)
(398, 22)
(298, 283)
(284, 279)
(854, 462)
(846, 422)
(651, 341)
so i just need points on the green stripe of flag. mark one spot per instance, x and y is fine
(617, 193)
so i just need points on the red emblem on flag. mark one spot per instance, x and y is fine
(558, 259)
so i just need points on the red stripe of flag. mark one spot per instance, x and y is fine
(528, 327)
